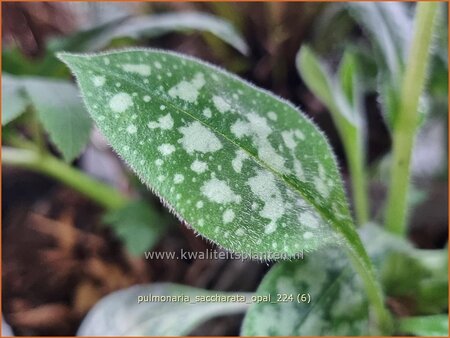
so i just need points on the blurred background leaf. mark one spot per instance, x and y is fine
(416, 280)
(119, 314)
(139, 225)
(159, 24)
(120, 32)
(61, 112)
(390, 26)
(425, 326)
(420, 276)
(16, 102)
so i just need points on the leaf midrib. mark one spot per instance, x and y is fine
(253, 157)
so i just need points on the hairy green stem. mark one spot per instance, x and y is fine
(354, 145)
(101, 193)
(363, 266)
(407, 121)
(354, 150)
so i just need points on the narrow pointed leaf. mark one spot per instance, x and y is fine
(61, 112)
(322, 83)
(123, 313)
(320, 296)
(348, 76)
(390, 27)
(399, 19)
(245, 169)
(315, 75)
(85, 39)
(14, 101)
(157, 25)
(339, 94)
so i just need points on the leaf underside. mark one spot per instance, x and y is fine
(244, 168)
(120, 314)
(152, 26)
(157, 25)
(338, 305)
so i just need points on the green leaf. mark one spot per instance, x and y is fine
(14, 101)
(402, 278)
(389, 99)
(420, 276)
(379, 243)
(245, 169)
(84, 39)
(425, 326)
(14, 62)
(398, 18)
(138, 224)
(123, 314)
(116, 31)
(328, 89)
(334, 303)
(49, 65)
(316, 76)
(349, 81)
(157, 25)
(342, 96)
(390, 26)
(61, 112)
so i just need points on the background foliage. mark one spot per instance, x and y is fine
(342, 64)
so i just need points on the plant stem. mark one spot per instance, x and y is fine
(353, 141)
(101, 193)
(37, 132)
(354, 144)
(363, 266)
(354, 150)
(407, 120)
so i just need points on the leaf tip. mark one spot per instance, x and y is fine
(68, 58)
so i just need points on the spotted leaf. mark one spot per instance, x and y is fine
(309, 301)
(244, 168)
